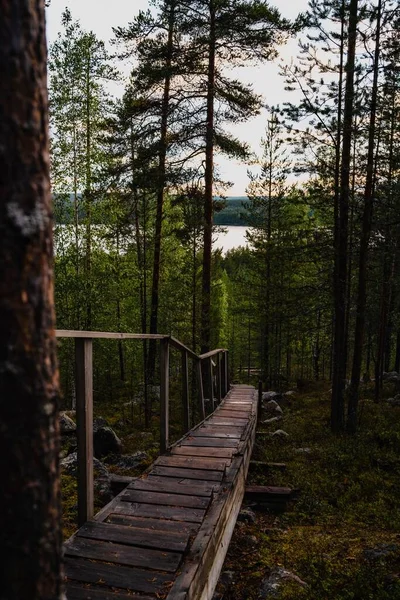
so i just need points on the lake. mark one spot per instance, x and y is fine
(231, 237)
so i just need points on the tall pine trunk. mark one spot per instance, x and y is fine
(208, 192)
(364, 243)
(30, 537)
(340, 269)
(162, 156)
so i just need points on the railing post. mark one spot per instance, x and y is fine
(164, 395)
(199, 376)
(259, 405)
(219, 390)
(227, 382)
(211, 381)
(185, 390)
(84, 422)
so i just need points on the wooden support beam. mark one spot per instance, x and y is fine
(185, 391)
(227, 380)
(219, 386)
(199, 376)
(164, 395)
(84, 422)
(211, 382)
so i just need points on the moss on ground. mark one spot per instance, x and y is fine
(348, 503)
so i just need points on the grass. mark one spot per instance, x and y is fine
(348, 503)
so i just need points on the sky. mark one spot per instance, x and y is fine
(100, 16)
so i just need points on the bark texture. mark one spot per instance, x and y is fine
(30, 542)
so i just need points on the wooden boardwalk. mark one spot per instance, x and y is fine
(167, 533)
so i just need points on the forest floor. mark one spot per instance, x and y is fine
(341, 536)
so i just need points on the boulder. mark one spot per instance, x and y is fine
(272, 420)
(381, 551)
(105, 440)
(289, 394)
(246, 515)
(394, 401)
(67, 425)
(271, 586)
(391, 376)
(271, 396)
(302, 450)
(102, 479)
(280, 434)
(273, 407)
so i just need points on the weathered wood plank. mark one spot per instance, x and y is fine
(195, 474)
(88, 592)
(128, 578)
(196, 451)
(234, 414)
(164, 498)
(210, 442)
(161, 526)
(216, 432)
(164, 394)
(208, 464)
(175, 541)
(217, 421)
(191, 515)
(154, 483)
(148, 558)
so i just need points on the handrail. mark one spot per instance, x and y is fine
(84, 396)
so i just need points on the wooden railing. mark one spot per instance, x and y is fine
(204, 364)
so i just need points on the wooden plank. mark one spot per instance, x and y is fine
(194, 474)
(123, 555)
(211, 442)
(217, 421)
(211, 464)
(137, 580)
(180, 486)
(164, 498)
(216, 432)
(88, 592)
(84, 422)
(175, 541)
(233, 414)
(196, 451)
(157, 525)
(219, 383)
(261, 465)
(164, 394)
(191, 515)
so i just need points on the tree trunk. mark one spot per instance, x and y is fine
(364, 243)
(30, 539)
(208, 192)
(162, 156)
(340, 270)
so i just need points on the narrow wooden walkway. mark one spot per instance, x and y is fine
(166, 534)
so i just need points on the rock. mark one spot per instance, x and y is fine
(289, 394)
(227, 578)
(381, 551)
(105, 440)
(394, 401)
(67, 425)
(391, 376)
(280, 434)
(273, 407)
(272, 420)
(271, 586)
(271, 396)
(249, 541)
(246, 515)
(102, 479)
(302, 450)
(128, 461)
